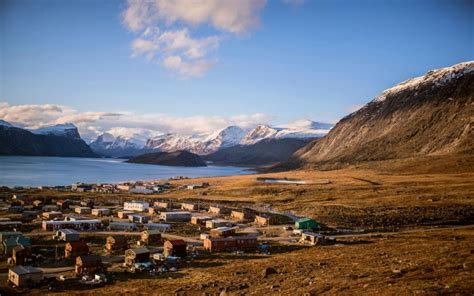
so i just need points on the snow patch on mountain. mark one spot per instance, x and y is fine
(6, 124)
(437, 77)
(62, 130)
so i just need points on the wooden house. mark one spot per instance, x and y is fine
(74, 249)
(136, 255)
(116, 243)
(88, 265)
(151, 237)
(175, 248)
(24, 275)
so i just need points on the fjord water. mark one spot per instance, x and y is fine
(55, 171)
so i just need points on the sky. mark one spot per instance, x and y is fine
(193, 66)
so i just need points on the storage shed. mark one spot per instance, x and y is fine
(24, 275)
(100, 212)
(176, 247)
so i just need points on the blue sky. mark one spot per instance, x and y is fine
(316, 59)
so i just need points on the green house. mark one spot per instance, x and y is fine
(306, 223)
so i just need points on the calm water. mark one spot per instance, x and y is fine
(52, 171)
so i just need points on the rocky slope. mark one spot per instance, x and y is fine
(265, 152)
(428, 115)
(54, 141)
(177, 158)
(118, 147)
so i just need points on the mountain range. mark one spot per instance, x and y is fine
(205, 144)
(430, 115)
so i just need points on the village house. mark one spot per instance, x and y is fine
(138, 218)
(218, 210)
(74, 249)
(118, 225)
(263, 220)
(82, 210)
(137, 255)
(50, 208)
(188, 206)
(140, 189)
(29, 215)
(123, 187)
(138, 206)
(124, 214)
(116, 243)
(52, 215)
(200, 220)
(175, 248)
(230, 243)
(67, 235)
(77, 225)
(217, 223)
(222, 231)
(37, 203)
(24, 275)
(175, 216)
(8, 234)
(20, 255)
(241, 215)
(162, 204)
(154, 210)
(88, 265)
(100, 212)
(151, 237)
(15, 209)
(87, 203)
(157, 226)
(11, 242)
(64, 204)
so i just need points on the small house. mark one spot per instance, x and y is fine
(217, 210)
(219, 244)
(52, 215)
(68, 235)
(162, 204)
(138, 206)
(200, 220)
(100, 212)
(118, 225)
(222, 231)
(217, 223)
(20, 254)
(138, 218)
(88, 203)
(151, 237)
(137, 255)
(82, 210)
(50, 208)
(10, 243)
(116, 243)
(64, 204)
(74, 249)
(29, 215)
(124, 214)
(306, 223)
(154, 210)
(262, 220)
(88, 265)
(175, 248)
(188, 206)
(157, 226)
(241, 215)
(24, 275)
(175, 216)
(37, 203)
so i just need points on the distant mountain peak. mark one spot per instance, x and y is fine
(6, 124)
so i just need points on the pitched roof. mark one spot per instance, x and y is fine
(139, 250)
(177, 242)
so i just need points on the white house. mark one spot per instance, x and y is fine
(139, 206)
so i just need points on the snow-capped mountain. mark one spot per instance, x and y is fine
(109, 145)
(203, 144)
(63, 130)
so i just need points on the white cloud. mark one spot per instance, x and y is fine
(138, 125)
(164, 29)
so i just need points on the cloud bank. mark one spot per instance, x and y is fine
(166, 30)
(128, 124)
